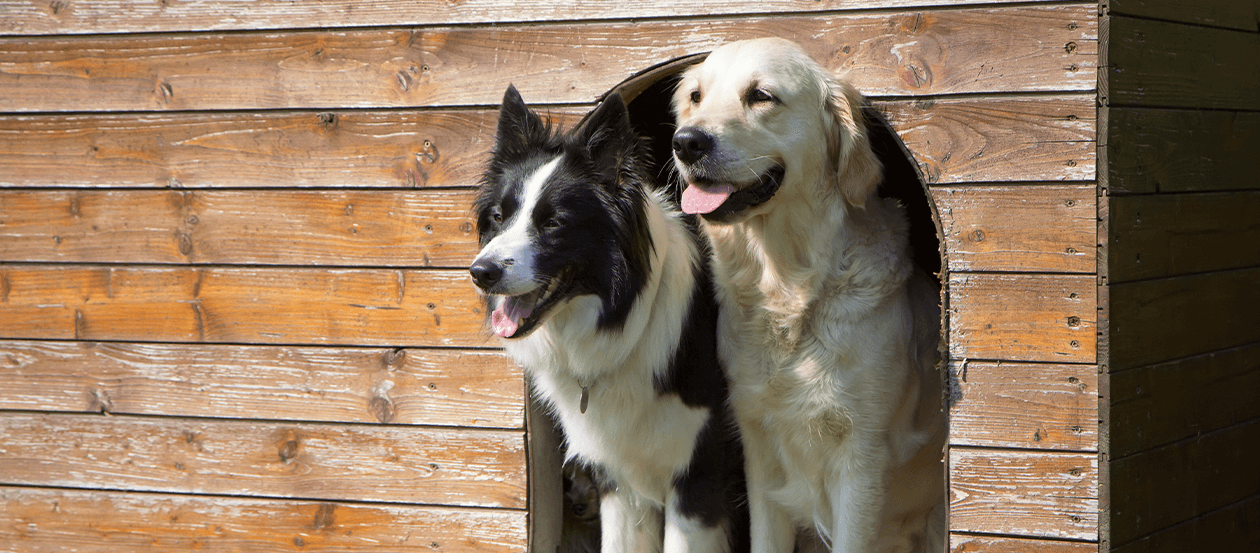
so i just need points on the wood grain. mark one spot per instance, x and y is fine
(1228, 529)
(970, 139)
(1244, 16)
(257, 227)
(1161, 64)
(396, 308)
(1021, 405)
(1160, 320)
(480, 468)
(1022, 493)
(1016, 317)
(1157, 489)
(963, 543)
(107, 522)
(360, 385)
(1015, 139)
(1018, 228)
(1050, 48)
(1166, 150)
(1164, 236)
(111, 16)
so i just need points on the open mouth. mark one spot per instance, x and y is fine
(720, 202)
(516, 316)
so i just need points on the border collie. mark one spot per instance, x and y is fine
(599, 288)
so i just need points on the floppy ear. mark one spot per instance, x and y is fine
(608, 136)
(518, 126)
(857, 170)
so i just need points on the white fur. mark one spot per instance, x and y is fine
(828, 335)
(641, 439)
(517, 242)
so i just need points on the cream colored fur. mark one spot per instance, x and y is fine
(827, 330)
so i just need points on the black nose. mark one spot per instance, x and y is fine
(690, 144)
(486, 274)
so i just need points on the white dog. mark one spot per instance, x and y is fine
(828, 331)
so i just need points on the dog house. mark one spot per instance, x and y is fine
(234, 314)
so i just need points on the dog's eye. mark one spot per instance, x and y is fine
(496, 215)
(695, 96)
(551, 224)
(759, 96)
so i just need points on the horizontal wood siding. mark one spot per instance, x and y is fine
(234, 312)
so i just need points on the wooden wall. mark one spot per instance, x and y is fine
(1179, 135)
(233, 310)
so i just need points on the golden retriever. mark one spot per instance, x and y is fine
(827, 329)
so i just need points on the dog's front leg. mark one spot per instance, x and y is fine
(688, 533)
(771, 531)
(627, 524)
(857, 498)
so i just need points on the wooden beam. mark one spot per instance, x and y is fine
(1023, 493)
(885, 54)
(108, 522)
(1017, 317)
(1018, 228)
(482, 468)
(1021, 405)
(360, 385)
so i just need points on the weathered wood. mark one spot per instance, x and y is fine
(110, 522)
(1018, 228)
(481, 468)
(258, 227)
(1161, 64)
(1163, 150)
(111, 16)
(1164, 236)
(1022, 405)
(1023, 493)
(963, 543)
(1156, 406)
(1231, 528)
(1243, 15)
(1160, 320)
(397, 386)
(1022, 317)
(1157, 489)
(353, 149)
(961, 141)
(242, 305)
(938, 52)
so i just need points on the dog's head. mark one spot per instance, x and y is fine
(760, 120)
(560, 216)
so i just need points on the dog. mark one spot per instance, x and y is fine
(600, 289)
(828, 332)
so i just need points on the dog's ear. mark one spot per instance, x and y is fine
(518, 126)
(608, 136)
(857, 170)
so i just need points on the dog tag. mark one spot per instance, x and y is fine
(586, 396)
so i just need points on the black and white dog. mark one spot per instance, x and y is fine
(599, 288)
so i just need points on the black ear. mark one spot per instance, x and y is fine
(518, 126)
(609, 136)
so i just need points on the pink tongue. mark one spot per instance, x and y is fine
(697, 200)
(507, 318)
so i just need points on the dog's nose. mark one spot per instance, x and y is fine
(690, 144)
(486, 274)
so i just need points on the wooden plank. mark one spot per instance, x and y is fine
(1164, 236)
(258, 227)
(1159, 320)
(1231, 528)
(1023, 493)
(398, 386)
(1020, 317)
(1156, 406)
(1163, 150)
(1159, 488)
(963, 543)
(379, 307)
(960, 141)
(104, 522)
(483, 468)
(1018, 228)
(106, 16)
(443, 148)
(1161, 64)
(1050, 48)
(1233, 14)
(1022, 405)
